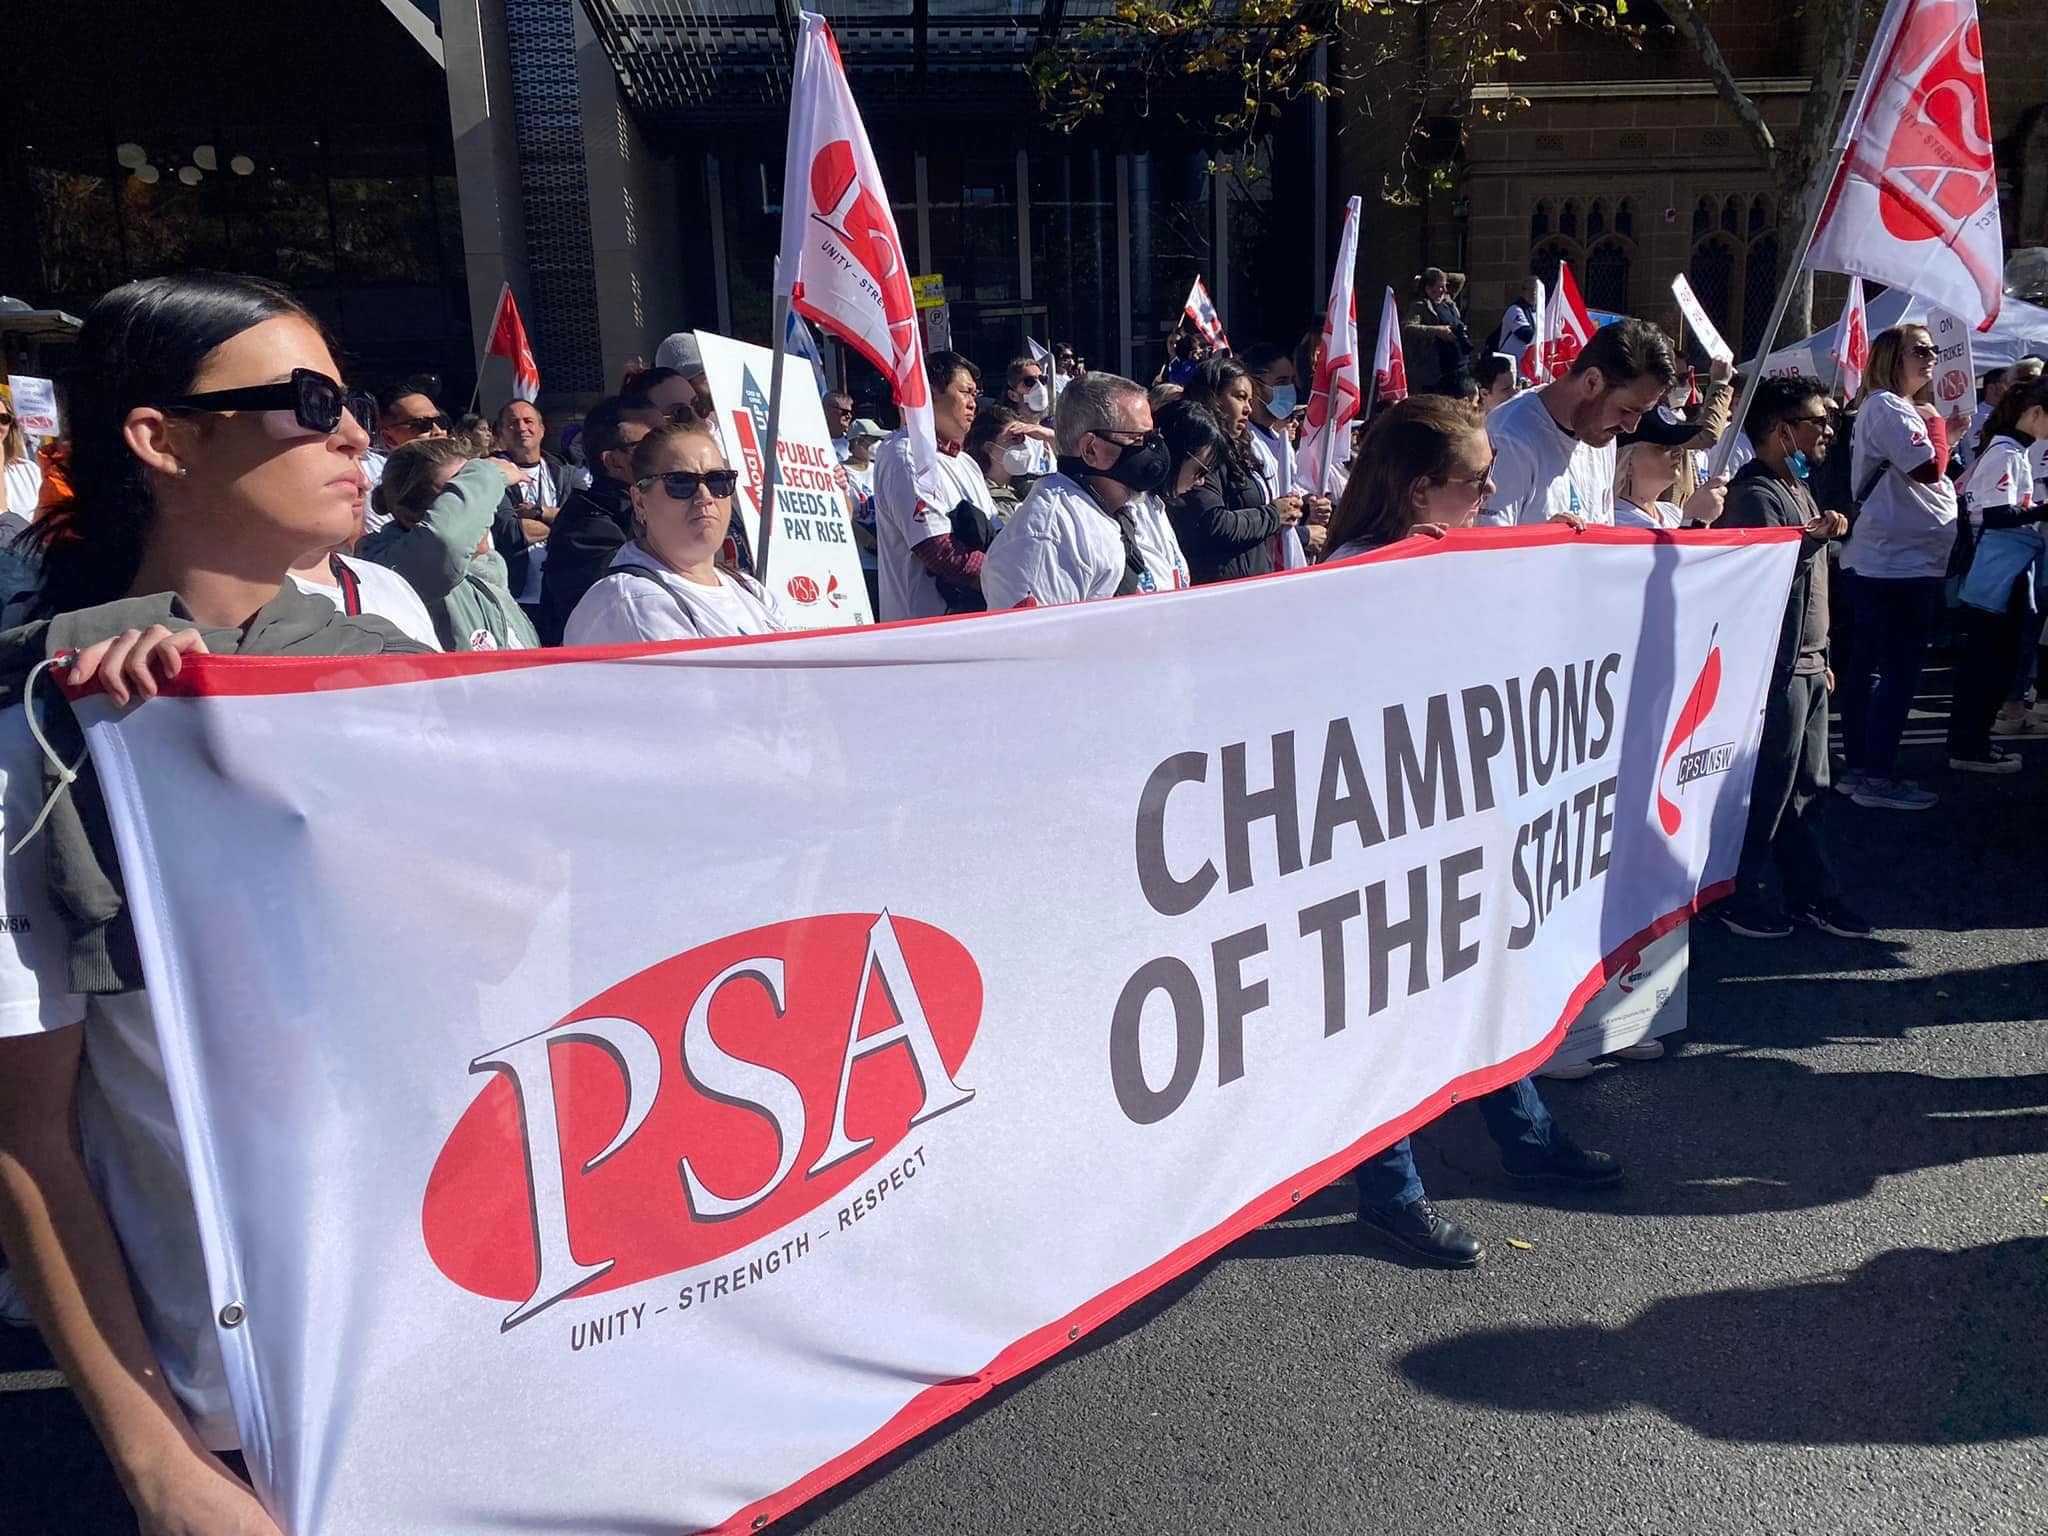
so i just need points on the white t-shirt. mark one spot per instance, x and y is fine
(382, 592)
(2002, 476)
(903, 521)
(1906, 527)
(1743, 451)
(1658, 514)
(1060, 547)
(2037, 461)
(125, 1122)
(626, 610)
(24, 487)
(1540, 470)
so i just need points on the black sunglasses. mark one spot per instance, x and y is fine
(681, 484)
(315, 401)
(425, 423)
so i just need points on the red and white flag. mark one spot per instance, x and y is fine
(842, 260)
(1201, 309)
(1852, 341)
(1337, 390)
(508, 340)
(1389, 363)
(1914, 203)
(1564, 327)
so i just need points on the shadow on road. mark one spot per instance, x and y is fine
(1917, 1347)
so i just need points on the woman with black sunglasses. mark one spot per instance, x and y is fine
(1894, 565)
(669, 582)
(212, 449)
(23, 475)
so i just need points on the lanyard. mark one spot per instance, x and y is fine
(351, 586)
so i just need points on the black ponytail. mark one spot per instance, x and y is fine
(141, 343)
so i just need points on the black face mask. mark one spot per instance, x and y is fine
(1141, 466)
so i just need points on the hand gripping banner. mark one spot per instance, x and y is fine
(652, 1159)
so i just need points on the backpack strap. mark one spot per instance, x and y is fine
(351, 585)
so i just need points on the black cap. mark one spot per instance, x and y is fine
(1661, 427)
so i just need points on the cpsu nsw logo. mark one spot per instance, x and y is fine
(1693, 759)
(699, 1106)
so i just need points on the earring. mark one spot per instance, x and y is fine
(184, 470)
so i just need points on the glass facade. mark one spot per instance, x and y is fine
(138, 156)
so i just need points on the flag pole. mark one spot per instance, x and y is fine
(497, 314)
(772, 449)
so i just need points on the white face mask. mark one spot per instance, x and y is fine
(1035, 398)
(1017, 460)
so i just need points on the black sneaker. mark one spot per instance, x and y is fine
(1750, 916)
(1833, 917)
(1568, 1164)
(1424, 1234)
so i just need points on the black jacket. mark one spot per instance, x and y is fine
(1225, 529)
(1758, 497)
(590, 529)
(508, 535)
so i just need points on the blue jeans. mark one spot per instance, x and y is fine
(1876, 683)
(1516, 1119)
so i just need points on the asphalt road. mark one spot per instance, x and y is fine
(1819, 1304)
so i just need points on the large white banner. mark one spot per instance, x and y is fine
(913, 999)
(815, 565)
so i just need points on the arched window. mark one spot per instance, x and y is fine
(1568, 218)
(1596, 220)
(1552, 254)
(1625, 218)
(1539, 222)
(1607, 272)
(1714, 273)
(1734, 264)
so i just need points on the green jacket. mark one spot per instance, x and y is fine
(77, 840)
(466, 592)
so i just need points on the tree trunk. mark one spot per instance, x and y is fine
(1808, 153)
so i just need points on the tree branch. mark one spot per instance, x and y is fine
(1685, 16)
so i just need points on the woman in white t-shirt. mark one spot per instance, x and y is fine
(23, 475)
(666, 583)
(1894, 563)
(212, 448)
(2002, 592)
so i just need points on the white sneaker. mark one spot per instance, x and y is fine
(1994, 761)
(1893, 795)
(2012, 725)
(1568, 1074)
(1644, 1050)
(1847, 781)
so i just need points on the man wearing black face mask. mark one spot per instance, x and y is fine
(1096, 528)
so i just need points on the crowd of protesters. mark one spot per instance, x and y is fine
(222, 489)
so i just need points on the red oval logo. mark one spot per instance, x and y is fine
(803, 589)
(699, 1106)
(1953, 385)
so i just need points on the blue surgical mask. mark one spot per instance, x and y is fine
(1283, 402)
(1798, 463)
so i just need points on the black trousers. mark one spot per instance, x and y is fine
(1989, 660)
(1789, 796)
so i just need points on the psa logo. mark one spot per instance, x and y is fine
(1694, 762)
(804, 591)
(692, 1109)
